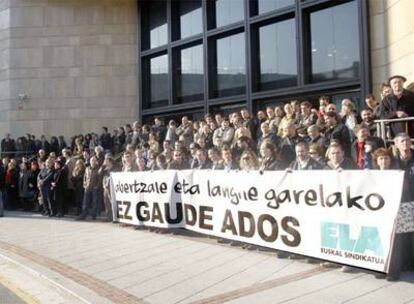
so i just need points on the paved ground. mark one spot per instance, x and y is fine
(8, 297)
(64, 261)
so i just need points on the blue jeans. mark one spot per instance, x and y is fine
(90, 203)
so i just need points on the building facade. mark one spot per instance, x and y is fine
(72, 66)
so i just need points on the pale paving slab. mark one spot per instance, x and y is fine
(401, 292)
(269, 268)
(157, 259)
(145, 272)
(344, 291)
(195, 284)
(290, 291)
(143, 262)
(185, 273)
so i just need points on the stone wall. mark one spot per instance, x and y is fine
(392, 39)
(4, 62)
(75, 60)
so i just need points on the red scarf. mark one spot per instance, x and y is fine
(8, 178)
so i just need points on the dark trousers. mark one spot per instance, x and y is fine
(45, 201)
(79, 192)
(402, 254)
(51, 204)
(69, 200)
(90, 203)
(60, 202)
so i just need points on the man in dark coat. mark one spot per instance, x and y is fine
(336, 132)
(303, 160)
(398, 104)
(7, 146)
(178, 162)
(201, 161)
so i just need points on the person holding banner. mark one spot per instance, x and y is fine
(178, 162)
(201, 161)
(337, 159)
(269, 160)
(383, 159)
(248, 161)
(161, 162)
(227, 156)
(214, 156)
(303, 160)
(128, 164)
(402, 253)
(402, 246)
(105, 172)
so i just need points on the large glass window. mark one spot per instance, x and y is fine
(157, 82)
(230, 70)
(335, 50)
(265, 6)
(191, 18)
(155, 24)
(228, 11)
(210, 53)
(190, 74)
(277, 56)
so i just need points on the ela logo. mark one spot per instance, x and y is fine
(337, 236)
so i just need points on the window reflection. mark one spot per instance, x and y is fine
(159, 80)
(271, 5)
(231, 66)
(335, 43)
(191, 75)
(229, 11)
(191, 18)
(278, 64)
(155, 24)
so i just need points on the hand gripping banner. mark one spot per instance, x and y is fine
(345, 217)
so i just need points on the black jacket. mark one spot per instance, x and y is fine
(347, 164)
(272, 164)
(341, 134)
(390, 105)
(311, 165)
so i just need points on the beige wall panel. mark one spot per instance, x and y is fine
(91, 55)
(26, 58)
(63, 56)
(31, 87)
(392, 39)
(59, 87)
(26, 17)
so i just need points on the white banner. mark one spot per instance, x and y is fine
(345, 217)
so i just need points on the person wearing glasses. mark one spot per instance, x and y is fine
(316, 152)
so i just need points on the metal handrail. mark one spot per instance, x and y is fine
(381, 128)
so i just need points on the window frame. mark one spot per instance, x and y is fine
(253, 98)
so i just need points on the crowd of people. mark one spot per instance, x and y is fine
(56, 177)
